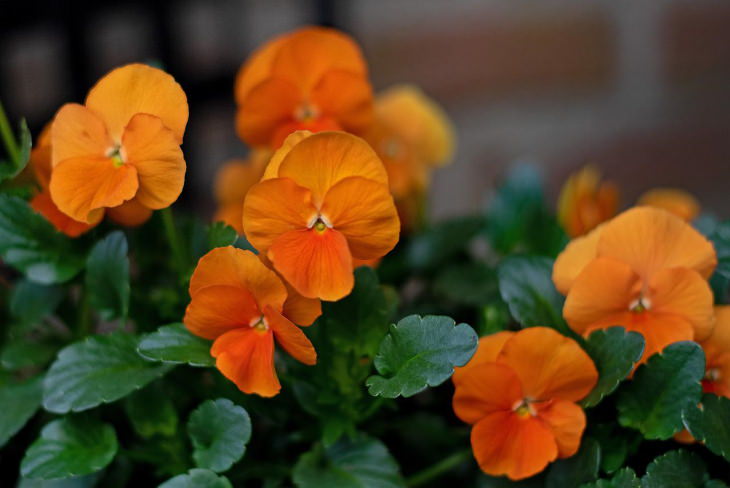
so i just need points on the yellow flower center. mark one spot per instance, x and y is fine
(260, 324)
(523, 408)
(306, 112)
(115, 154)
(320, 223)
(641, 304)
(712, 374)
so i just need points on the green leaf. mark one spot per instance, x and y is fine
(151, 412)
(578, 469)
(18, 403)
(471, 284)
(359, 321)
(616, 444)
(420, 352)
(432, 248)
(710, 423)
(221, 235)
(358, 463)
(624, 478)
(107, 277)
(174, 344)
(197, 478)
(675, 469)
(31, 302)
(662, 388)
(720, 238)
(23, 353)
(526, 285)
(614, 352)
(219, 431)
(31, 245)
(71, 446)
(88, 481)
(11, 169)
(100, 369)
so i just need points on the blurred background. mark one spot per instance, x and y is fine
(640, 88)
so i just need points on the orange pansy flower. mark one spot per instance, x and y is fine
(244, 307)
(679, 202)
(645, 270)
(40, 162)
(121, 147)
(314, 78)
(324, 200)
(233, 181)
(717, 354)
(585, 202)
(519, 393)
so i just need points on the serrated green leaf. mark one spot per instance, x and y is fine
(710, 423)
(614, 352)
(107, 277)
(432, 248)
(358, 463)
(472, 284)
(675, 469)
(526, 285)
(100, 369)
(420, 352)
(662, 388)
(151, 412)
(197, 478)
(174, 344)
(18, 403)
(221, 235)
(71, 446)
(31, 302)
(31, 245)
(624, 478)
(580, 468)
(219, 431)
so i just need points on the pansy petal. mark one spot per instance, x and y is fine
(347, 97)
(605, 288)
(135, 89)
(214, 310)
(484, 389)
(323, 159)
(77, 132)
(131, 213)
(268, 105)
(717, 345)
(317, 264)
(549, 365)
(230, 214)
(576, 256)
(683, 292)
(257, 67)
(299, 309)
(673, 200)
(291, 337)
(507, 444)
(80, 186)
(272, 169)
(153, 150)
(364, 212)
(649, 239)
(659, 331)
(246, 357)
(273, 207)
(43, 204)
(567, 421)
(487, 351)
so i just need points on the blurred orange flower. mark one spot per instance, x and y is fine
(411, 135)
(324, 200)
(679, 202)
(519, 392)
(233, 181)
(40, 163)
(717, 355)
(121, 148)
(243, 306)
(645, 270)
(313, 78)
(585, 201)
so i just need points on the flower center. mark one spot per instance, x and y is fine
(260, 324)
(320, 223)
(712, 374)
(641, 304)
(306, 112)
(523, 408)
(115, 154)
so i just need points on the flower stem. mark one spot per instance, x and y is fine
(445, 465)
(8, 138)
(173, 237)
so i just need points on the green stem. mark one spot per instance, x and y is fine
(173, 237)
(84, 321)
(8, 138)
(439, 468)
